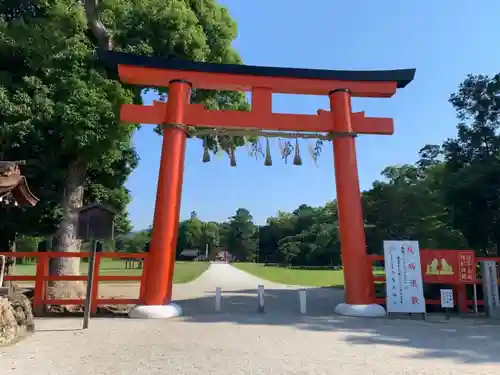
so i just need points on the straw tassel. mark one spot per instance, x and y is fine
(206, 153)
(218, 147)
(248, 146)
(313, 154)
(268, 162)
(232, 157)
(297, 160)
(282, 147)
(287, 151)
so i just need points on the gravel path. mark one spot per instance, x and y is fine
(239, 294)
(241, 341)
(254, 345)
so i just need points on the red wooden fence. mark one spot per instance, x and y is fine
(460, 291)
(42, 276)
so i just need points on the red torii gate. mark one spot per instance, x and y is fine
(181, 76)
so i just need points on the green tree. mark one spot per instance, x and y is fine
(311, 237)
(410, 205)
(197, 234)
(67, 108)
(134, 242)
(241, 237)
(472, 178)
(223, 234)
(270, 234)
(210, 238)
(60, 107)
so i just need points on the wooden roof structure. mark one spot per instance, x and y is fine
(13, 185)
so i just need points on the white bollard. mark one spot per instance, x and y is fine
(303, 301)
(218, 297)
(261, 298)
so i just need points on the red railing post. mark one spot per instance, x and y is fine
(142, 290)
(95, 285)
(373, 293)
(461, 291)
(41, 278)
(42, 270)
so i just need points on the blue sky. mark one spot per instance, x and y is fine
(444, 40)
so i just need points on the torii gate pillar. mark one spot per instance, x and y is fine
(359, 289)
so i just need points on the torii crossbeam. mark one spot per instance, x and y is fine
(181, 76)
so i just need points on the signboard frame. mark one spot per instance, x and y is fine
(447, 300)
(404, 282)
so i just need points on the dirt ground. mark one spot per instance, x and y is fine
(239, 340)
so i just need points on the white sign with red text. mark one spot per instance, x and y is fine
(404, 283)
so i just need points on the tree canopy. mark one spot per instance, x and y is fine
(59, 107)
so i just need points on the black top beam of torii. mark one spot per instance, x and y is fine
(112, 59)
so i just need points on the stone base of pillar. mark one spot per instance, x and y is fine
(155, 312)
(362, 311)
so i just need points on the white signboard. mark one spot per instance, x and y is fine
(447, 298)
(404, 284)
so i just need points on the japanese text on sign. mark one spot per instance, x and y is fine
(467, 266)
(404, 285)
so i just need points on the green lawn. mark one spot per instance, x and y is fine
(184, 271)
(188, 271)
(290, 276)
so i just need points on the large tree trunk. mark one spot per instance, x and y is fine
(65, 237)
